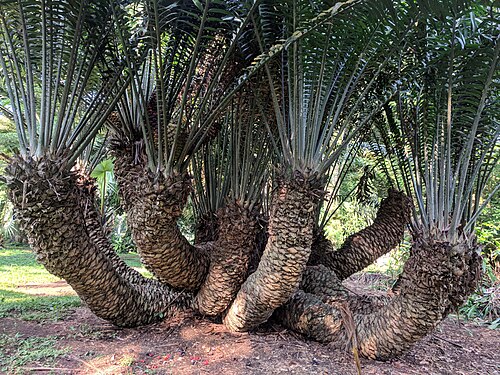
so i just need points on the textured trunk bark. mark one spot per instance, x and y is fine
(321, 248)
(307, 314)
(153, 205)
(207, 229)
(228, 259)
(323, 283)
(260, 243)
(285, 257)
(434, 281)
(97, 234)
(48, 203)
(363, 248)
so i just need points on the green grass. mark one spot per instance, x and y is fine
(8, 142)
(18, 267)
(126, 361)
(133, 260)
(37, 308)
(16, 352)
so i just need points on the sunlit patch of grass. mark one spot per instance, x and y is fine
(133, 260)
(36, 307)
(126, 361)
(6, 125)
(19, 269)
(16, 352)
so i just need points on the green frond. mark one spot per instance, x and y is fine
(235, 164)
(441, 131)
(52, 56)
(331, 84)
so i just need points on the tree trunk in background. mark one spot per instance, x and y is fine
(48, 203)
(228, 260)
(323, 282)
(153, 205)
(278, 275)
(363, 248)
(432, 279)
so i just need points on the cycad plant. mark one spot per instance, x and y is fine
(260, 101)
(362, 248)
(192, 60)
(201, 55)
(50, 56)
(233, 174)
(325, 96)
(434, 280)
(451, 118)
(441, 137)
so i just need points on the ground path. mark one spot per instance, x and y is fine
(189, 344)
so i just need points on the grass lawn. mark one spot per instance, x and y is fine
(28, 292)
(21, 278)
(28, 350)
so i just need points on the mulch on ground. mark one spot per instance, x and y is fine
(189, 344)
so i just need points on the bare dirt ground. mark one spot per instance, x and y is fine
(189, 344)
(56, 288)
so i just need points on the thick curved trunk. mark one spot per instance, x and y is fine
(285, 257)
(432, 279)
(96, 231)
(363, 248)
(228, 260)
(97, 234)
(307, 314)
(324, 283)
(48, 203)
(321, 248)
(153, 205)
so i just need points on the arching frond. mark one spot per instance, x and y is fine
(52, 56)
(330, 81)
(442, 131)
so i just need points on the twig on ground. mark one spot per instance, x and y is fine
(448, 341)
(47, 369)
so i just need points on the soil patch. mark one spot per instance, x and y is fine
(56, 288)
(189, 344)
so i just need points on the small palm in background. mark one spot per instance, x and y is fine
(112, 216)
